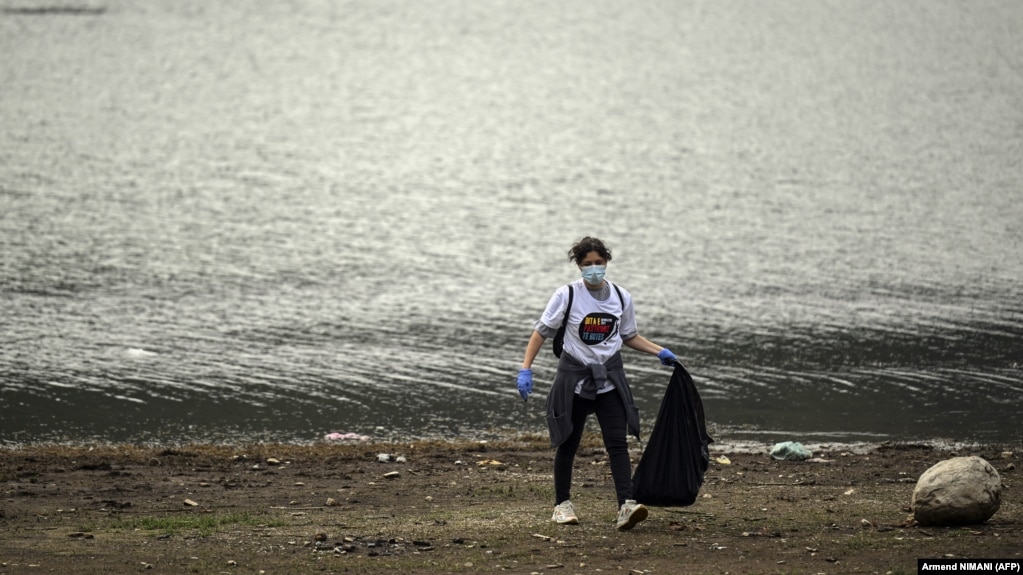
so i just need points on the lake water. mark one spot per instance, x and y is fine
(242, 221)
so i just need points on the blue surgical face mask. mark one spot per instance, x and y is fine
(593, 274)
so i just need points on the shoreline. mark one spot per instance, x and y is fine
(531, 441)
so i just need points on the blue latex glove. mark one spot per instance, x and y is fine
(525, 383)
(666, 357)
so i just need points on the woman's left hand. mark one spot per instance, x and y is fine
(666, 357)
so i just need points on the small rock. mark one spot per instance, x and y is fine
(331, 502)
(383, 457)
(273, 461)
(392, 475)
(190, 503)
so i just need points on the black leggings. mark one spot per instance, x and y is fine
(614, 428)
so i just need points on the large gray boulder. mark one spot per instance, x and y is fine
(957, 491)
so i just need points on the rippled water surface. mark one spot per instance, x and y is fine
(231, 221)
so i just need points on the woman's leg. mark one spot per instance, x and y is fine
(614, 427)
(564, 458)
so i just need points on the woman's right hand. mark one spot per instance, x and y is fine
(525, 382)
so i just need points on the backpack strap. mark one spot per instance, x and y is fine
(620, 298)
(559, 337)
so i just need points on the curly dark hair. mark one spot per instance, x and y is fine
(586, 245)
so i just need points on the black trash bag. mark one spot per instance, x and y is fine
(671, 471)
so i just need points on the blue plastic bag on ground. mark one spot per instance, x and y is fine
(670, 472)
(790, 451)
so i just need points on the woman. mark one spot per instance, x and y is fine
(599, 318)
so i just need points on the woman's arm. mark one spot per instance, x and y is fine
(640, 343)
(532, 349)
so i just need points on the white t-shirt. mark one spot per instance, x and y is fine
(595, 328)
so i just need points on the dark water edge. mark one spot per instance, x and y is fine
(725, 441)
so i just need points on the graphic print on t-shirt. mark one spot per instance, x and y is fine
(596, 328)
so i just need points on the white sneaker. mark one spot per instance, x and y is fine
(630, 514)
(564, 514)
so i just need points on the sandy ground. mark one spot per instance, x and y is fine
(468, 507)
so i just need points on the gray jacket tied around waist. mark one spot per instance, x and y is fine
(594, 376)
